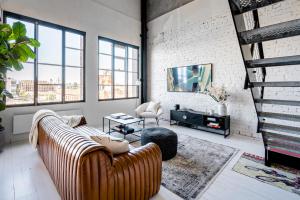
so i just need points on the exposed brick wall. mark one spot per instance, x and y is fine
(203, 32)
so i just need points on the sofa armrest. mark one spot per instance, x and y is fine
(138, 173)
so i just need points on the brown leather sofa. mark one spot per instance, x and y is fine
(83, 169)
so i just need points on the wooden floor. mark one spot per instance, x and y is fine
(24, 176)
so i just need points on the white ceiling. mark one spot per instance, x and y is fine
(129, 8)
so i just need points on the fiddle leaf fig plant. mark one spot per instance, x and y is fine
(15, 48)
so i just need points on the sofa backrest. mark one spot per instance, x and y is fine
(72, 160)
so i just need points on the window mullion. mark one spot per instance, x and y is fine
(35, 79)
(63, 89)
(113, 70)
(126, 71)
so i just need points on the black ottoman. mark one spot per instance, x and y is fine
(164, 138)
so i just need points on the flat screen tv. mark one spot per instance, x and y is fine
(194, 78)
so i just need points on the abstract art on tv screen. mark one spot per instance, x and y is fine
(193, 78)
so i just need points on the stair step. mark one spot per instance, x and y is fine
(278, 102)
(272, 32)
(271, 62)
(276, 84)
(290, 136)
(242, 6)
(280, 128)
(295, 118)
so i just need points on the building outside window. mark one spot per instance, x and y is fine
(57, 73)
(118, 70)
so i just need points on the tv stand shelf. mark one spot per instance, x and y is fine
(202, 121)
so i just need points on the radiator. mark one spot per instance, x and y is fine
(22, 123)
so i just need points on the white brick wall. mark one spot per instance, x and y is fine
(203, 32)
(200, 32)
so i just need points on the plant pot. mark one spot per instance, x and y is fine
(222, 109)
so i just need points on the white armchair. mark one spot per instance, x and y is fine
(142, 113)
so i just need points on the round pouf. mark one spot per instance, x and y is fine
(164, 138)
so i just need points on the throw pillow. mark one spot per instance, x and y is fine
(115, 145)
(74, 120)
(152, 107)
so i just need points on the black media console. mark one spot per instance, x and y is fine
(200, 120)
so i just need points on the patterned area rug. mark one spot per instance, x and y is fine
(195, 165)
(277, 175)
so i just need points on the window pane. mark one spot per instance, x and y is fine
(50, 51)
(105, 92)
(105, 47)
(74, 84)
(120, 91)
(105, 77)
(21, 85)
(120, 51)
(132, 65)
(119, 64)
(48, 74)
(105, 62)
(120, 78)
(49, 93)
(132, 53)
(132, 78)
(74, 57)
(132, 91)
(49, 83)
(74, 40)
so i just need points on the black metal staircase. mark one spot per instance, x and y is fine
(250, 40)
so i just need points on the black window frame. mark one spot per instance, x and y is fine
(36, 22)
(126, 45)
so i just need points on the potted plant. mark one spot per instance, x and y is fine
(220, 95)
(15, 48)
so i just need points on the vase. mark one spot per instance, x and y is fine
(222, 109)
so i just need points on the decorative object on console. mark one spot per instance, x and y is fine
(220, 95)
(177, 107)
(200, 120)
(194, 78)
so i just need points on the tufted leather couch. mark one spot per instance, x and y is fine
(82, 169)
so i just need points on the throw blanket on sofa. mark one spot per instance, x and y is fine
(72, 121)
(33, 135)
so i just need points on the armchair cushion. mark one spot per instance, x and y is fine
(152, 107)
(141, 108)
(148, 115)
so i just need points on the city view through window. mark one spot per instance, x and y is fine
(118, 70)
(57, 75)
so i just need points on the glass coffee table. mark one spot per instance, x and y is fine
(123, 123)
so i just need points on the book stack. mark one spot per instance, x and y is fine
(213, 125)
(117, 115)
(124, 129)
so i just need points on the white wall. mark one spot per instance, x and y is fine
(96, 19)
(198, 33)
(203, 32)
